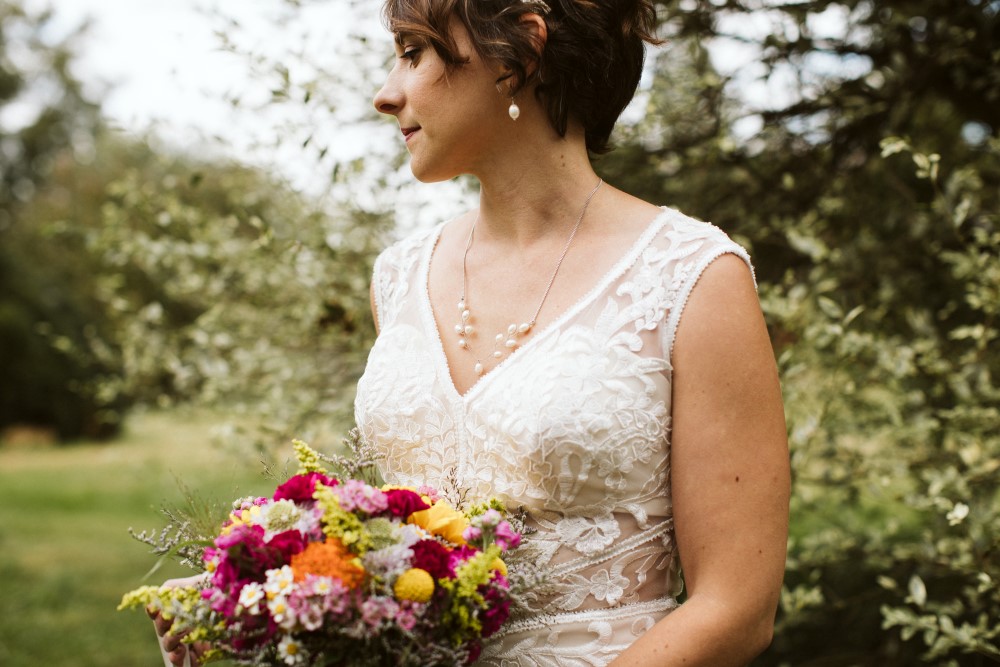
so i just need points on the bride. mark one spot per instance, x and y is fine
(594, 359)
(598, 361)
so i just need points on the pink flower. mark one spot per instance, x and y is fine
(506, 537)
(406, 617)
(472, 533)
(308, 612)
(403, 503)
(430, 492)
(355, 495)
(377, 610)
(300, 488)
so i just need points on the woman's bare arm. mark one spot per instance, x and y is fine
(730, 479)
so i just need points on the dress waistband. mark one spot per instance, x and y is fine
(626, 610)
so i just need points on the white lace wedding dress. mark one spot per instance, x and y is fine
(574, 426)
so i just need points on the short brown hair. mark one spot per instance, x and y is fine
(589, 68)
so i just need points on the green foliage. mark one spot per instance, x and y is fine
(895, 452)
(225, 286)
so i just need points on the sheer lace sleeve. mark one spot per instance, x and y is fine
(393, 274)
(694, 245)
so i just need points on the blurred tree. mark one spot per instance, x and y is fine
(44, 108)
(44, 314)
(835, 78)
(131, 272)
(226, 287)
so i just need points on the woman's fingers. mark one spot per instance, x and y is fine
(170, 643)
(178, 656)
(198, 650)
(173, 648)
(162, 625)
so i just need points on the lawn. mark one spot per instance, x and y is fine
(65, 552)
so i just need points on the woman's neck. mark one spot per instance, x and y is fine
(536, 190)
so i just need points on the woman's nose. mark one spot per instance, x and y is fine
(388, 99)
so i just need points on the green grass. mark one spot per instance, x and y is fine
(65, 553)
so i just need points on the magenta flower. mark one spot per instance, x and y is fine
(300, 488)
(431, 556)
(288, 544)
(497, 604)
(247, 556)
(458, 556)
(403, 503)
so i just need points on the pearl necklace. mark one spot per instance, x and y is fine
(506, 342)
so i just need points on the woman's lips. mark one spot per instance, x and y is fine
(408, 132)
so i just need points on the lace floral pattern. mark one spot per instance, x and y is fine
(573, 426)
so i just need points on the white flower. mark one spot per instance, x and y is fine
(279, 516)
(281, 612)
(408, 534)
(321, 586)
(250, 597)
(389, 562)
(290, 650)
(957, 514)
(279, 582)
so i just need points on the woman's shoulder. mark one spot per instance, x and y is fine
(694, 241)
(681, 226)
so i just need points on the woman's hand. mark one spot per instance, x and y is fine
(171, 645)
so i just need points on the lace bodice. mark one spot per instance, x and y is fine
(573, 426)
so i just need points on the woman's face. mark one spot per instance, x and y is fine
(451, 120)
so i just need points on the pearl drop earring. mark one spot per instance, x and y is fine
(513, 110)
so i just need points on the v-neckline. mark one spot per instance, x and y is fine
(434, 333)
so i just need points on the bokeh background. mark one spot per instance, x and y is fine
(191, 199)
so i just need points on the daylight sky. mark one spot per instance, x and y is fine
(158, 62)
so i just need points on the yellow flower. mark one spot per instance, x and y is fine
(415, 584)
(442, 519)
(246, 517)
(499, 565)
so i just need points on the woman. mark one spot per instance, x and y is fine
(598, 361)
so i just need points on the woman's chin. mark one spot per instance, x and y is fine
(427, 174)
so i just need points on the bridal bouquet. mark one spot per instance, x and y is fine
(334, 571)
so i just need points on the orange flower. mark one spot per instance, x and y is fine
(328, 559)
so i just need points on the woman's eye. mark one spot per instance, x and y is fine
(411, 53)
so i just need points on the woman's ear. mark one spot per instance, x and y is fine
(538, 33)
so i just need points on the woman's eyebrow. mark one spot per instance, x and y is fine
(401, 37)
